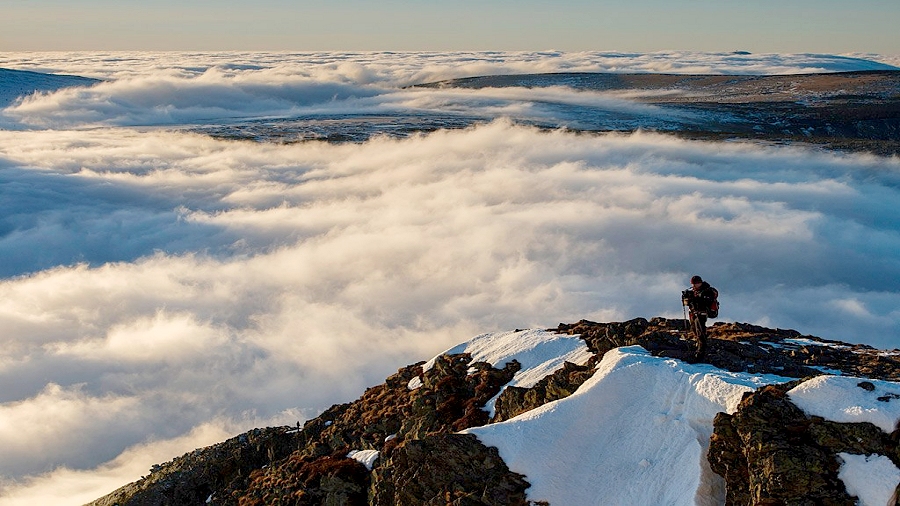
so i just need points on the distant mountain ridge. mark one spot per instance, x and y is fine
(19, 83)
(743, 426)
(857, 110)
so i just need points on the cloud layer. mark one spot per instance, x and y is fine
(202, 88)
(162, 290)
(404, 68)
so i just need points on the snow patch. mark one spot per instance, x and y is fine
(414, 383)
(641, 423)
(530, 347)
(540, 352)
(842, 399)
(873, 479)
(364, 457)
(810, 342)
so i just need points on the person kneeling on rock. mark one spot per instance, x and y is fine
(702, 301)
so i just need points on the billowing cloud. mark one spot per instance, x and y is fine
(163, 289)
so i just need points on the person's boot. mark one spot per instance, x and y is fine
(701, 349)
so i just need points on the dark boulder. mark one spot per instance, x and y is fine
(307, 481)
(770, 452)
(561, 384)
(446, 469)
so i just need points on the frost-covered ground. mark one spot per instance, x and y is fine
(161, 289)
(637, 432)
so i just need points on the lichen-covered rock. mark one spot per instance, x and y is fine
(446, 469)
(773, 459)
(561, 384)
(770, 452)
(451, 398)
(301, 481)
(388, 418)
(193, 477)
(602, 337)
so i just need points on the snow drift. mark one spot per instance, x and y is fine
(635, 433)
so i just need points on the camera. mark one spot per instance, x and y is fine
(686, 297)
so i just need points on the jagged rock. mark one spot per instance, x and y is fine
(775, 459)
(602, 337)
(192, 478)
(364, 423)
(561, 384)
(450, 399)
(770, 452)
(855, 438)
(446, 469)
(301, 481)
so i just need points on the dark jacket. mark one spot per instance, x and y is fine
(703, 298)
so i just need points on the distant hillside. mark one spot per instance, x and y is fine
(17, 83)
(587, 413)
(857, 111)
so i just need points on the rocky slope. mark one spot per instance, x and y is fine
(768, 450)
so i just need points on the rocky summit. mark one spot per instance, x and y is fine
(422, 436)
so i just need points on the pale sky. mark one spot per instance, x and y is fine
(824, 26)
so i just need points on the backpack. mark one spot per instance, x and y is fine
(713, 311)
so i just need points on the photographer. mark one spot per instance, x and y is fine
(702, 301)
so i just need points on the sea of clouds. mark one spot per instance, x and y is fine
(161, 289)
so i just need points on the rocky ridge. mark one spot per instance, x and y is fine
(769, 451)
